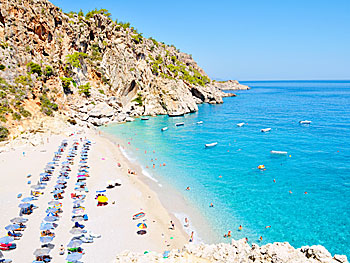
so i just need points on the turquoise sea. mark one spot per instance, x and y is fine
(318, 162)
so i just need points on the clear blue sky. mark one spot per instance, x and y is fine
(245, 40)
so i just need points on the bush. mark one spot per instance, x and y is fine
(85, 89)
(2, 67)
(101, 91)
(66, 83)
(138, 99)
(4, 132)
(137, 38)
(47, 107)
(48, 71)
(75, 58)
(24, 112)
(155, 42)
(16, 116)
(95, 11)
(34, 68)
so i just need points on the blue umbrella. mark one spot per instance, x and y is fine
(44, 174)
(50, 218)
(80, 183)
(52, 210)
(46, 239)
(12, 227)
(28, 199)
(59, 186)
(24, 205)
(74, 257)
(61, 182)
(37, 187)
(6, 239)
(18, 220)
(57, 191)
(54, 202)
(47, 226)
(74, 243)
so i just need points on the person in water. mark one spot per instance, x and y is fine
(260, 238)
(240, 227)
(211, 205)
(188, 188)
(186, 222)
(229, 234)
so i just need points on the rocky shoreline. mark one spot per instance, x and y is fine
(238, 251)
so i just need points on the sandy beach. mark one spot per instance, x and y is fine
(113, 222)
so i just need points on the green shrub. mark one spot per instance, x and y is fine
(47, 107)
(137, 38)
(24, 80)
(24, 112)
(2, 118)
(132, 69)
(34, 68)
(16, 116)
(75, 58)
(155, 42)
(96, 54)
(85, 89)
(101, 91)
(48, 71)
(4, 132)
(95, 11)
(138, 99)
(2, 67)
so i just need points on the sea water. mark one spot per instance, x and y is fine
(304, 195)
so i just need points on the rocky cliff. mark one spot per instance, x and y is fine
(238, 251)
(90, 69)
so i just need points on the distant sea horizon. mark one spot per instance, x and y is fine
(302, 197)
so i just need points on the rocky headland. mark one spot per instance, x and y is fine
(90, 70)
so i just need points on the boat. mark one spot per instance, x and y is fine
(180, 124)
(176, 114)
(129, 119)
(208, 145)
(278, 152)
(145, 118)
(265, 130)
(164, 129)
(199, 122)
(138, 215)
(240, 124)
(305, 122)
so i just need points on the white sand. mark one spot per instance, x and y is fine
(114, 222)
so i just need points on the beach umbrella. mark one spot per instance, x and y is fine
(142, 225)
(41, 252)
(12, 227)
(102, 199)
(50, 218)
(80, 189)
(18, 220)
(37, 187)
(28, 199)
(78, 202)
(59, 186)
(77, 231)
(24, 205)
(74, 257)
(80, 183)
(74, 243)
(48, 245)
(78, 211)
(57, 191)
(61, 182)
(46, 239)
(47, 226)
(6, 239)
(77, 219)
(45, 174)
(54, 202)
(52, 210)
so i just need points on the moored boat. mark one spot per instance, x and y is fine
(129, 119)
(145, 118)
(265, 130)
(208, 145)
(278, 152)
(240, 124)
(179, 124)
(305, 122)
(199, 122)
(164, 129)
(176, 114)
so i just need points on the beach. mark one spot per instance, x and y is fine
(113, 222)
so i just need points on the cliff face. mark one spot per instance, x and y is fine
(89, 68)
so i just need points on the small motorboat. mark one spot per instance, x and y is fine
(138, 215)
(129, 119)
(265, 130)
(305, 122)
(278, 152)
(145, 118)
(209, 145)
(164, 129)
(199, 122)
(180, 124)
(176, 114)
(240, 124)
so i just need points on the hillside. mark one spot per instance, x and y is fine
(89, 70)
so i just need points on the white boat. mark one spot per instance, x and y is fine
(278, 152)
(164, 129)
(199, 122)
(240, 124)
(176, 114)
(208, 145)
(305, 122)
(179, 124)
(129, 119)
(265, 130)
(144, 118)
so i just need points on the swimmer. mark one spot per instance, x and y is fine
(211, 205)
(274, 180)
(240, 227)
(154, 166)
(229, 234)
(220, 176)
(163, 164)
(267, 226)
(305, 193)
(260, 238)
(187, 224)
(188, 188)
(225, 236)
(290, 192)
(246, 239)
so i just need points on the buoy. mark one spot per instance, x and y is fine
(163, 164)
(290, 156)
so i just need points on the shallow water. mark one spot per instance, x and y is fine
(244, 195)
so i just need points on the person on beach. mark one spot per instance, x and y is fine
(172, 225)
(62, 250)
(191, 237)
(186, 222)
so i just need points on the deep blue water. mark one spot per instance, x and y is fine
(319, 162)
